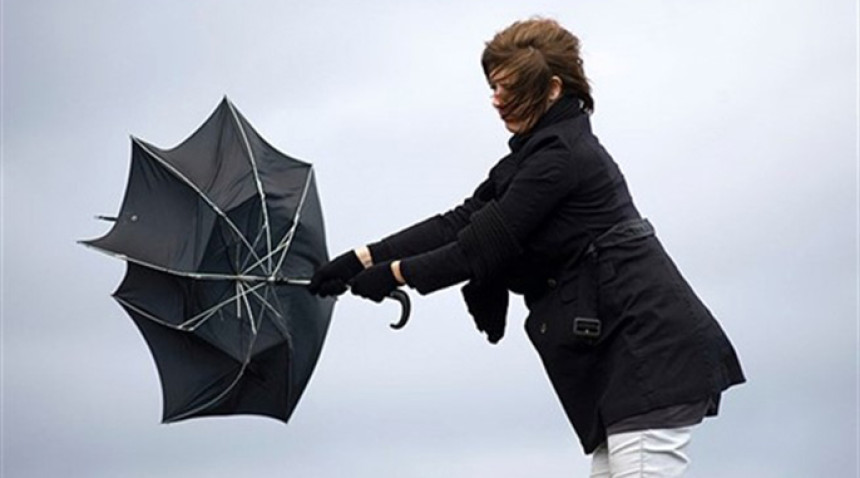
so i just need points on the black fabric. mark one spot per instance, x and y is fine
(433, 270)
(587, 300)
(620, 233)
(566, 107)
(434, 232)
(331, 279)
(673, 416)
(375, 283)
(424, 236)
(218, 233)
(487, 302)
(485, 243)
(488, 242)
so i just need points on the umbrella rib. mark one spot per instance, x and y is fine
(227, 390)
(251, 267)
(265, 302)
(217, 398)
(200, 193)
(223, 393)
(275, 302)
(260, 260)
(257, 182)
(146, 314)
(259, 318)
(261, 232)
(244, 299)
(288, 237)
(199, 319)
(238, 303)
(200, 275)
(193, 323)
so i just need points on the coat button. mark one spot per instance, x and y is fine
(551, 283)
(543, 327)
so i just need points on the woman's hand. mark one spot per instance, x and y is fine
(378, 281)
(331, 279)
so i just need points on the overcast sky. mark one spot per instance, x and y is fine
(735, 123)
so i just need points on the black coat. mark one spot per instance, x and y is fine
(619, 330)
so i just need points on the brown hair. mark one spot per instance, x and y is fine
(527, 55)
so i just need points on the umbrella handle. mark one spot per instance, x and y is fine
(403, 298)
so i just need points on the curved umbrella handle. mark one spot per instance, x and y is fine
(403, 298)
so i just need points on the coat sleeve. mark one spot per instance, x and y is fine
(496, 233)
(430, 233)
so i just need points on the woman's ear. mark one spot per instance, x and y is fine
(555, 86)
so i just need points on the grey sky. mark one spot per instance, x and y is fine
(735, 123)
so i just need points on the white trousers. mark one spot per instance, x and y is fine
(642, 454)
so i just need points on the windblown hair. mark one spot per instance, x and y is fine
(525, 56)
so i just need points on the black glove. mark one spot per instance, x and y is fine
(332, 277)
(375, 283)
(488, 305)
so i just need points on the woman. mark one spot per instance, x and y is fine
(634, 356)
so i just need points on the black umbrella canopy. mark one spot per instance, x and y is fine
(221, 235)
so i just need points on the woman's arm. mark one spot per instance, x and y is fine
(495, 233)
(429, 234)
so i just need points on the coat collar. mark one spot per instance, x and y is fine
(568, 106)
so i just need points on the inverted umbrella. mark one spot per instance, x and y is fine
(221, 235)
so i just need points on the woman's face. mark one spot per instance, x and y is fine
(498, 84)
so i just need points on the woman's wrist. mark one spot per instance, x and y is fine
(398, 275)
(363, 254)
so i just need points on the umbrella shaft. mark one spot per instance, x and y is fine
(244, 278)
(274, 280)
